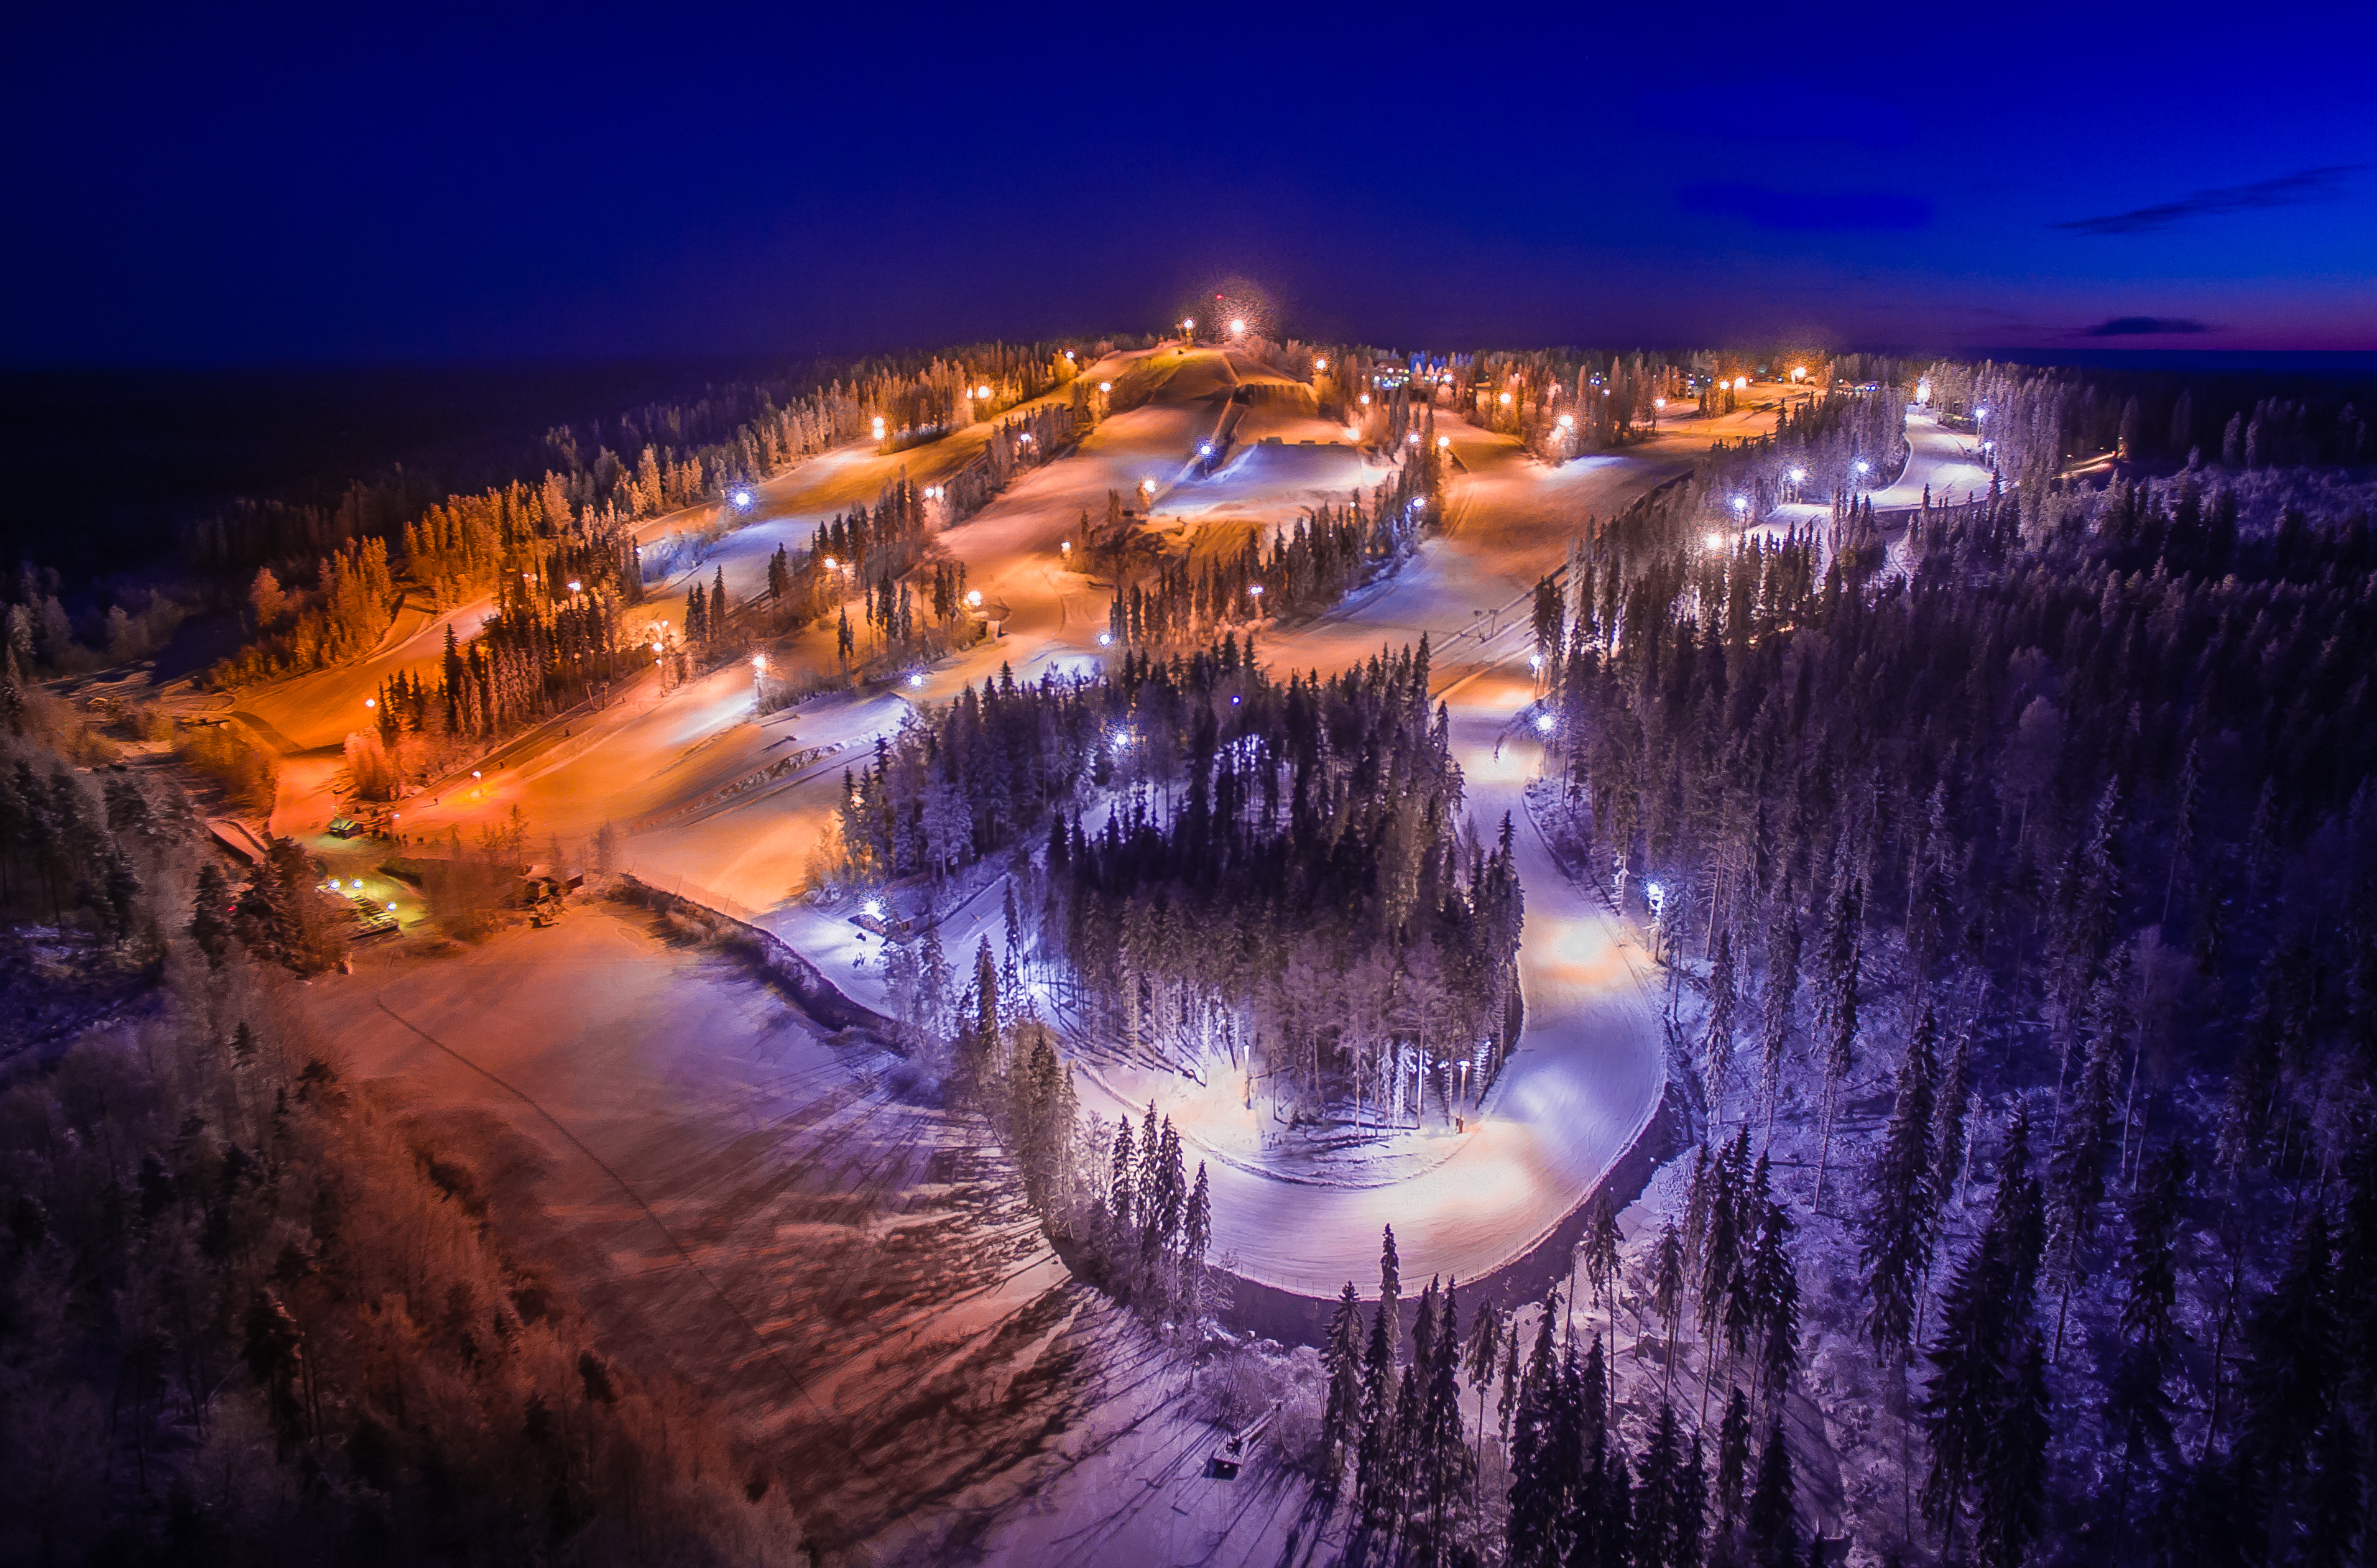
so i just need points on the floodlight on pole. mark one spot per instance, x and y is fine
(1237, 326)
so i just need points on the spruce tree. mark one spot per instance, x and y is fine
(1687, 1513)
(1481, 1357)
(1341, 1360)
(1896, 1226)
(1778, 1010)
(1716, 1044)
(1732, 1457)
(2076, 1182)
(2138, 1407)
(1844, 947)
(1772, 1521)
(2012, 1492)
(209, 926)
(1538, 1478)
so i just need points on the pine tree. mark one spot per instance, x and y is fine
(1949, 1110)
(209, 925)
(2075, 1183)
(1481, 1356)
(1843, 945)
(1774, 1288)
(1732, 1457)
(1601, 1242)
(1667, 1294)
(1973, 1403)
(1896, 1226)
(1688, 1514)
(2013, 1492)
(1539, 1475)
(1781, 989)
(1656, 1521)
(1341, 1360)
(1772, 1524)
(1451, 1476)
(1717, 1045)
(1375, 1458)
(2137, 1406)
(2292, 1351)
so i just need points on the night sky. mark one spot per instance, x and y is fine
(405, 184)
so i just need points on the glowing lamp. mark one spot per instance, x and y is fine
(974, 598)
(1546, 724)
(759, 663)
(743, 497)
(1237, 325)
(917, 679)
(1106, 640)
(1443, 442)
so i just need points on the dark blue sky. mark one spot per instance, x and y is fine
(384, 183)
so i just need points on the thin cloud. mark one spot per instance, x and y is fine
(2301, 188)
(2144, 327)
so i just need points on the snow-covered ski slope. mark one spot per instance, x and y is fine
(1585, 1077)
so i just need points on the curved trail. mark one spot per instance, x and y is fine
(1583, 1079)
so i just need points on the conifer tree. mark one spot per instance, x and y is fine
(1732, 1457)
(1481, 1357)
(1717, 1045)
(209, 925)
(1341, 1360)
(1375, 1458)
(1771, 1522)
(1948, 1115)
(2137, 1404)
(2076, 1182)
(1843, 944)
(1778, 1010)
(1897, 1226)
(1667, 1294)
(1539, 1476)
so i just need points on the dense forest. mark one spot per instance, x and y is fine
(2058, 838)
(249, 1313)
(1309, 832)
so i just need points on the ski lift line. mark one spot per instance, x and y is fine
(766, 1348)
